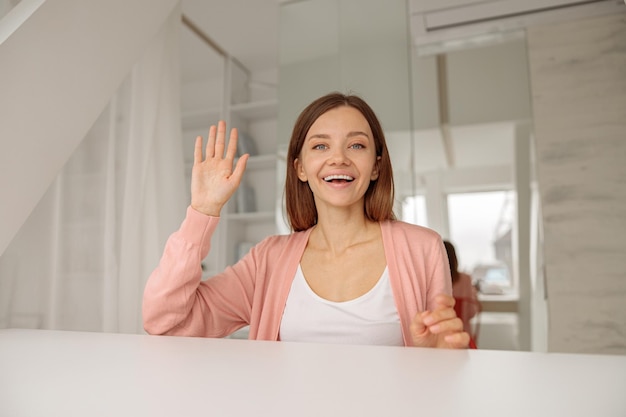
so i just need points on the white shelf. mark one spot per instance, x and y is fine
(258, 120)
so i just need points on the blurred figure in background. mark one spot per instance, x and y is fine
(465, 294)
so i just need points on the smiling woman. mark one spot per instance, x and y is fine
(367, 278)
(344, 131)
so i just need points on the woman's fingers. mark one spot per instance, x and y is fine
(197, 150)
(210, 143)
(438, 328)
(458, 340)
(231, 151)
(220, 139)
(216, 143)
(215, 176)
(441, 323)
(441, 320)
(240, 167)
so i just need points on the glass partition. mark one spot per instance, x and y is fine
(454, 118)
(351, 46)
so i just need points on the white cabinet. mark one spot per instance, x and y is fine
(249, 216)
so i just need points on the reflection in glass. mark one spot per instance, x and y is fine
(352, 46)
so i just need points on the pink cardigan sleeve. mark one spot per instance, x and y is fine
(177, 302)
(418, 269)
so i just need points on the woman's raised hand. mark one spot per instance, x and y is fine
(213, 179)
(439, 327)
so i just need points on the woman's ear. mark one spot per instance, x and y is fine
(297, 165)
(376, 169)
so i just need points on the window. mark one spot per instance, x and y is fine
(481, 225)
(414, 210)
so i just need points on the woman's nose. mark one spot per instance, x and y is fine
(338, 156)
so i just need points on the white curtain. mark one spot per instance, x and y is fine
(81, 260)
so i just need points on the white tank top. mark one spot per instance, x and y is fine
(371, 319)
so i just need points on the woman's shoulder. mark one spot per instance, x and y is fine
(281, 241)
(399, 227)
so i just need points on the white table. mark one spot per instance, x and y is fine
(55, 373)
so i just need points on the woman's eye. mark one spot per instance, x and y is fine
(319, 146)
(357, 146)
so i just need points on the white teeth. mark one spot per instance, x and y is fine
(338, 177)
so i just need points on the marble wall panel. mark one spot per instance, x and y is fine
(578, 83)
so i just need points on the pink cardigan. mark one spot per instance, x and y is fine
(254, 290)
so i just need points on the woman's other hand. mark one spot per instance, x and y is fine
(213, 179)
(440, 327)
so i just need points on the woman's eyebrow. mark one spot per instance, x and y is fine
(358, 133)
(319, 136)
(349, 135)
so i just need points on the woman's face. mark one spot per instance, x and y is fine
(338, 158)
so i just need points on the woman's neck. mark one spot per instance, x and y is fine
(339, 231)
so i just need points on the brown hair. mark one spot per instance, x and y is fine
(452, 259)
(300, 204)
